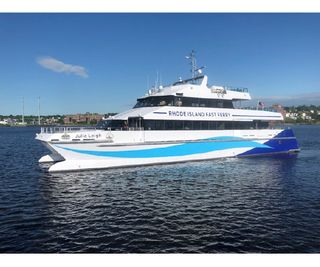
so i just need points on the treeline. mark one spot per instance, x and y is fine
(303, 114)
(54, 119)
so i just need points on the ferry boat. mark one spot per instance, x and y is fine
(188, 120)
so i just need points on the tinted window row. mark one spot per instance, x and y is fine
(182, 125)
(112, 124)
(202, 125)
(180, 101)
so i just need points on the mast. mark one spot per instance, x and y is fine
(193, 62)
(157, 81)
(39, 110)
(23, 110)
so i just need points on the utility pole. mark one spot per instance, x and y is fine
(39, 110)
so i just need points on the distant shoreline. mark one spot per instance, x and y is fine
(301, 123)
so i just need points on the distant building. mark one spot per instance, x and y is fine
(292, 115)
(52, 120)
(9, 121)
(86, 118)
(280, 109)
(4, 122)
(305, 116)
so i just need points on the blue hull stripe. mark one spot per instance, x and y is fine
(174, 151)
(185, 149)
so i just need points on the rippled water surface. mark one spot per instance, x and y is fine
(226, 205)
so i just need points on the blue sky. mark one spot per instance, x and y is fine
(102, 62)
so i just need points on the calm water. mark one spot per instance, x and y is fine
(227, 205)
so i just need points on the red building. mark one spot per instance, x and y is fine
(88, 118)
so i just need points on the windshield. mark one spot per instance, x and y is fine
(112, 124)
(155, 101)
(180, 101)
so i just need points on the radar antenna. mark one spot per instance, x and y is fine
(195, 71)
(193, 62)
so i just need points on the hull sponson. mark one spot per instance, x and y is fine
(80, 158)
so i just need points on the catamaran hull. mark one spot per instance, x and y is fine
(85, 156)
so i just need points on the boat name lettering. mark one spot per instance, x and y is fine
(198, 114)
(88, 135)
(65, 136)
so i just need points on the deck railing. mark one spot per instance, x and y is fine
(255, 108)
(236, 89)
(65, 129)
(51, 130)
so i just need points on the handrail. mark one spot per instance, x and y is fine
(125, 129)
(65, 129)
(255, 108)
(51, 130)
(236, 89)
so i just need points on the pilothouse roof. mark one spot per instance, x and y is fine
(198, 87)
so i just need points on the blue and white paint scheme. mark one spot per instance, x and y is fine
(188, 120)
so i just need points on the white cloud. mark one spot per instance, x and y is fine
(58, 66)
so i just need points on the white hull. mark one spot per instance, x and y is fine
(86, 164)
(134, 148)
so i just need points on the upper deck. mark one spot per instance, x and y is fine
(198, 88)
